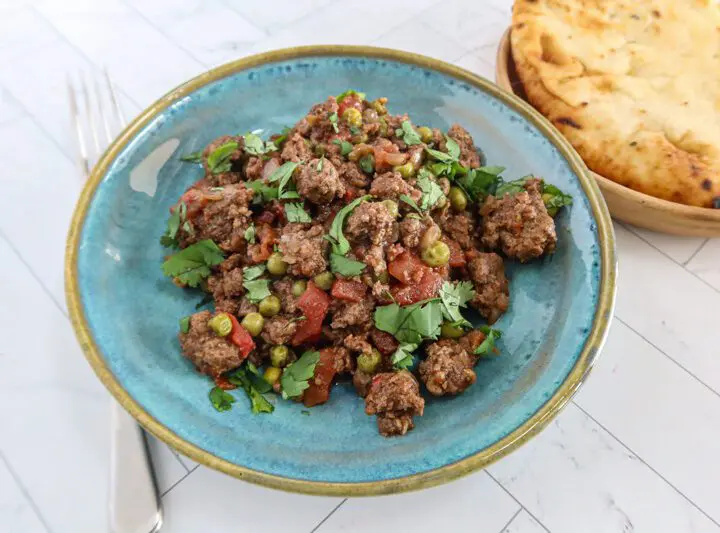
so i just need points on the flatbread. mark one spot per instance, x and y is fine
(634, 85)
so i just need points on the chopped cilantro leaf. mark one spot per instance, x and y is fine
(408, 134)
(254, 144)
(340, 97)
(257, 288)
(344, 266)
(402, 358)
(367, 164)
(452, 148)
(405, 198)
(295, 213)
(431, 190)
(305, 412)
(487, 347)
(185, 324)
(177, 217)
(345, 147)
(283, 172)
(221, 400)
(263, 193)
(192, 157)
(192, 265)
(250, 234)
(333, 118)
(554, 198)
(340, 244)
(413, 323)
(453, 297)
(512, 187)
(478, 183)
(254, 385)
(219, 159)
(294, 379)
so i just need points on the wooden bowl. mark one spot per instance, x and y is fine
(625, 204)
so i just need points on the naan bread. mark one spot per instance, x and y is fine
(633, 84)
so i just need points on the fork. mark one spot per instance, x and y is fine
(134, 505)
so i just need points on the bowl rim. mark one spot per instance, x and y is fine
(448, 472)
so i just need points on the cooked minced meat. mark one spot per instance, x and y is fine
(519, 224)
(313, 244)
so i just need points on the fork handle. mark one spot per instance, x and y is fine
(134, 503)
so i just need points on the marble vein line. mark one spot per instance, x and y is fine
(313, 530)
(522, 507)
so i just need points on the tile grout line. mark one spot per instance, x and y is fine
(707, 239)
(25, 493)
(178, 482)
(648, 341)
(631, 229)
(177, 457)
(513, 517)
(265, 29)
(313, 530)
(522, 507)
(639, 458)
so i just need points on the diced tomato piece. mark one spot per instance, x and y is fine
(223, 383)
(350, 291)
(427, 287)
(314, 303)
(349, 101)
(383, 341)
(351, 193)
(267, 238)
(240, 337)
(319, 390)
(387, 157)
(457, 256)
(194, 200)
(407, 268)
(266, 217)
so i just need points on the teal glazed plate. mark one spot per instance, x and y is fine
(126, 314)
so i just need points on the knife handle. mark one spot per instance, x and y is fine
(133, 499)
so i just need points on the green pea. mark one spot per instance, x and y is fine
(379, 106)
(458, 200)
(369, 362)
(324, 280)
(383, 131)
(221, 324)
(406, 171)
(436, 255)
(442, 202)
(272, 375)
(448, 331)
(299, 287)
(353, 117)
(391, 207)
(279, 355)
(253, 323)
(360, 138)
(426, 134)
(269, 306)
(275, 264)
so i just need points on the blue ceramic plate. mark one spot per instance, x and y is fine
(126, 314)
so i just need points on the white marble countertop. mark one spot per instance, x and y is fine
(637, 449)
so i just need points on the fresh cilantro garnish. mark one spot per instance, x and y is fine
(185, 324)
(431, 190)
(512, 187)
(279, 140)
(408, 134)
(254, 145)
(219, 159)
(340, 244)
(250, 234)
(257, 289)
(282, 174)
(402, 358)
(554, 198)
(405, 198)
(412, 323)
(295, 377)
(263, 193)
(487, 347)
(453, 297)
(340, 97)
(345, 266)
(177, 218)
(320, 164)
(345, 147)
(453, 151)
(294, 212)
(254, 386)
(221, 400)
(192, 265)
(192, 157)
(305, 412)
(367, 164)
(478, 183)
(333, 118)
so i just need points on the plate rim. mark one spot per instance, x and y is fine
(430, 478)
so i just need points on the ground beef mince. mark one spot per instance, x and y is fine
(395, 398)
(519, 224)
(492, 293)
(318, 181)
(211, 354)
(447, 369)
(304, 249)
(469, 156)
(314, 242)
